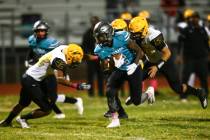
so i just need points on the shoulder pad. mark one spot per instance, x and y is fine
(153, 33)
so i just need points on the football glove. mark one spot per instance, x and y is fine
(83, 86)
(131, 68)
(119, 62)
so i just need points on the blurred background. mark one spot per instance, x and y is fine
(69, 19)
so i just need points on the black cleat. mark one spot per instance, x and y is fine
(108, 114)
(202, 97)
(128, 101)
(123, 115)
(3, 123)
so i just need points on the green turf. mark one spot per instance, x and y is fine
(168, 118)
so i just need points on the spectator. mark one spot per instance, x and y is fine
(93, 66)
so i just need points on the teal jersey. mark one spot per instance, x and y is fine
(43, 46)
(119, 46)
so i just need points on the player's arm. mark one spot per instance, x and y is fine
(132, 67)
(60, 65)
(160, 44)
(31, 58)
(90, 57)
(139, 53)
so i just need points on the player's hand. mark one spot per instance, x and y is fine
(83, 86)
(152, 71)
(26, 64)
(131, 68)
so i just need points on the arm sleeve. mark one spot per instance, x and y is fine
(59, 64)
(159, 42)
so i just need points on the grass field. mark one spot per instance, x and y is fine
(168, 118)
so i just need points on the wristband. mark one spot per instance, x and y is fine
(160, 63)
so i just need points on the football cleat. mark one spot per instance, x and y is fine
(128, 101)
(22, 122)
(59, 116)
(79, 106)
(151, 95)
(115, 122)
(202, 97)
(3, 123)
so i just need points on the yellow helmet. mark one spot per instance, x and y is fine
(126, 16)
(138, 27)
(119, 24)
(188, 13)
(145, 14)
(73, 54)
(208, 17)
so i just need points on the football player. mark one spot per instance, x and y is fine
(152, 43)
(40, 43)
(108, 45)
(34, 87)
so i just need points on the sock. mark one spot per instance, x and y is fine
(144, 97)
(56, 109)
(70, 100)
(61, 98)
(15, 111)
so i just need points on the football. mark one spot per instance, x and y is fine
(107, 65)
(117, 56)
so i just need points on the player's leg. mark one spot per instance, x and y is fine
(202, 73)
(115, 80)
(49, 86)
(182, 88)
(135, 83)
(71, 100)
(24, 101)
(39, 98)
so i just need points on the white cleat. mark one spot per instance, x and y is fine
(22, 122)
(114, 123)
(79, 106)
(59, 116)
(151, 95)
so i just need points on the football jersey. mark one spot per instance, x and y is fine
(42, 46)
(43, 67)
(119, 46)
(152, 45)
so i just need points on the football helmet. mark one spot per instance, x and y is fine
(103, 33)
(74, 54)
(138, 27)
(188, 13)
(208, 17)
(119, 24)
(40, 29)
(127, 16)
(40, 25)
(145, 14)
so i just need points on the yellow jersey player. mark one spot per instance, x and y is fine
(61, 58)
(158, 55)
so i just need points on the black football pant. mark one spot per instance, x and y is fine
(115, 81)
(200, 67)
(169, 70)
